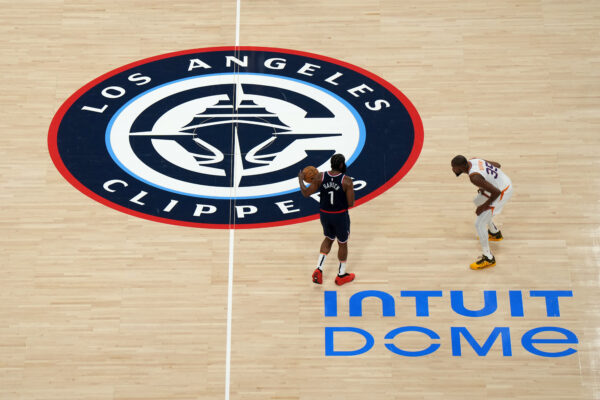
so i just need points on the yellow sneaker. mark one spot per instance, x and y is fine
(495, 237)
(483, 262)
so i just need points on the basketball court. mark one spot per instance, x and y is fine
(101, 304)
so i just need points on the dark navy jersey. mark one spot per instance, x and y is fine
(331, 192)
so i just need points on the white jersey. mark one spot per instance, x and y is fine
(493, 175)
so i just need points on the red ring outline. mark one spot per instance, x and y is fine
(56, 159)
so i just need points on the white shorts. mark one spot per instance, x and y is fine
(499, 203)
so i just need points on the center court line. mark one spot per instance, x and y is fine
(231, 250)
(229, 304)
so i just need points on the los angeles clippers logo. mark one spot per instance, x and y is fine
(215, 137)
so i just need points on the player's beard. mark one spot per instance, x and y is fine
(458, 173)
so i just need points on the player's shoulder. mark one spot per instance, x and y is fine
(347, 182)
(475, 176)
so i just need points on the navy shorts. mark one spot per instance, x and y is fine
(336, 226)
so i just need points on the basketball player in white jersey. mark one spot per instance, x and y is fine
(495, 188)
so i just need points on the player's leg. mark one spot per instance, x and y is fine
(342, 257)
(317, 275)
(343, 234)
(494, 233)
(492, 227)
(326, 246)
(481, 225)
(324, 251)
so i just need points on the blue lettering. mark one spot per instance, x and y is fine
(552, 309)
(387, 302)
(330, 300)
(329, 339)
(516, 303)
(432, 335)
(421, 299)
(527, 341)
(489, 307)
(480, 350)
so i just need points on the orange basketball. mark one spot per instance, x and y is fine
(309, 173)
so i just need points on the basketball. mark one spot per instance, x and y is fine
(309, 173)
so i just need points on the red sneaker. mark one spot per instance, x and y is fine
(318, 276)
(340, 280)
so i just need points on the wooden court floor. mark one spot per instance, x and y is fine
(97, 304)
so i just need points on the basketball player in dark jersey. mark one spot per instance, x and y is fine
(336, 192)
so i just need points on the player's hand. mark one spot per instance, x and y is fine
(301, 175)
(482, 208)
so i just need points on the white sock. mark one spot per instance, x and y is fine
(481, 224)
(342, 270)
(321, 261)
(493, 229)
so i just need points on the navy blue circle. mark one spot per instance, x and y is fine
(78, 146)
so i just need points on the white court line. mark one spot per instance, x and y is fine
(237, 23)
(229, 301)
(231, 246)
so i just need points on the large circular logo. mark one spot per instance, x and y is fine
(215, 137)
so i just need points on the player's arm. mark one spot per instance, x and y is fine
(494, 163)
(348, 187)
(314, 185)
(482, 184)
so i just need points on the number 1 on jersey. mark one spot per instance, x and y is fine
(331, 196)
